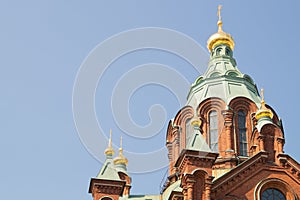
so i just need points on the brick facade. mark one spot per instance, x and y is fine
(248, 160)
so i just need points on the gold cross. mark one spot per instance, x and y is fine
(219, 12)
(262, 94)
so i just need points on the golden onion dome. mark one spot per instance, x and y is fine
(109, 151)
(220, 37)
(196, 122)
(263, 111)
(121, 159)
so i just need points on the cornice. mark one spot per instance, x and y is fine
(252, 167)
(291, 165)
(106, 186)
(244, 169)
(196, 158)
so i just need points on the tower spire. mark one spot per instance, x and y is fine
(121, 160)
(109, 151)
(262, 96)
(220, 23)
(121, 148)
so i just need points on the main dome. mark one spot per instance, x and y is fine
(220, 37)
(222, 78)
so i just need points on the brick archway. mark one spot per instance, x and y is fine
(274, 183)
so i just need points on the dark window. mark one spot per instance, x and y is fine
(272, 194)
(106, 198)
(242, 133)
(213, 131)
(227, 52)
(189, 131)
(218, 52)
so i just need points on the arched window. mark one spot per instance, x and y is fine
(272, 194)
(218, 52)
(213, 131)
(189, 131)
(243, 147)
(106, 198)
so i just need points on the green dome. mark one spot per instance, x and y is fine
(222, 80)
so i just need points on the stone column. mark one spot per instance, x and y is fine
(280, 143)
(208, 184)
(170, 156)
(176, 136)
(228, 122)
(190, 189)
(184, 192)
(184, 189)
(261, 139)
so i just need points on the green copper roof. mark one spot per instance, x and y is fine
(222, 80)
(121, 168)
(262, 122)
(108, 171)
(198, 142)
(174, 187)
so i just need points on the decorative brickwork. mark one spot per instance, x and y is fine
(226, 143)
(106, 188)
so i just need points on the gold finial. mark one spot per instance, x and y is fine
(263, 111)
(262, 95)
(110, 141)
(196, 122)
(220, 37)
(220, 18)
(121, 158)
(219, 12)
(121, 148)
(109, 150)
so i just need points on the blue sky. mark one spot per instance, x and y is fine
(44, 43)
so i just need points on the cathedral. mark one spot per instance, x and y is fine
(225, 143)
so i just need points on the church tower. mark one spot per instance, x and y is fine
(112, 182)
(227, 143)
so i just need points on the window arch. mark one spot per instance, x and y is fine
(189, 131)
(272, 194)
(242, 131)
(106, 198)
(218, 51)
(227, 51)
(272, 188)
(213, 131)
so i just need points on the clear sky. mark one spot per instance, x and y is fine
(44, 43)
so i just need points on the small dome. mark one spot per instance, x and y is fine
(196, 122)
(109, 151)
(263, 111)
(220, 37)
(120, 160)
